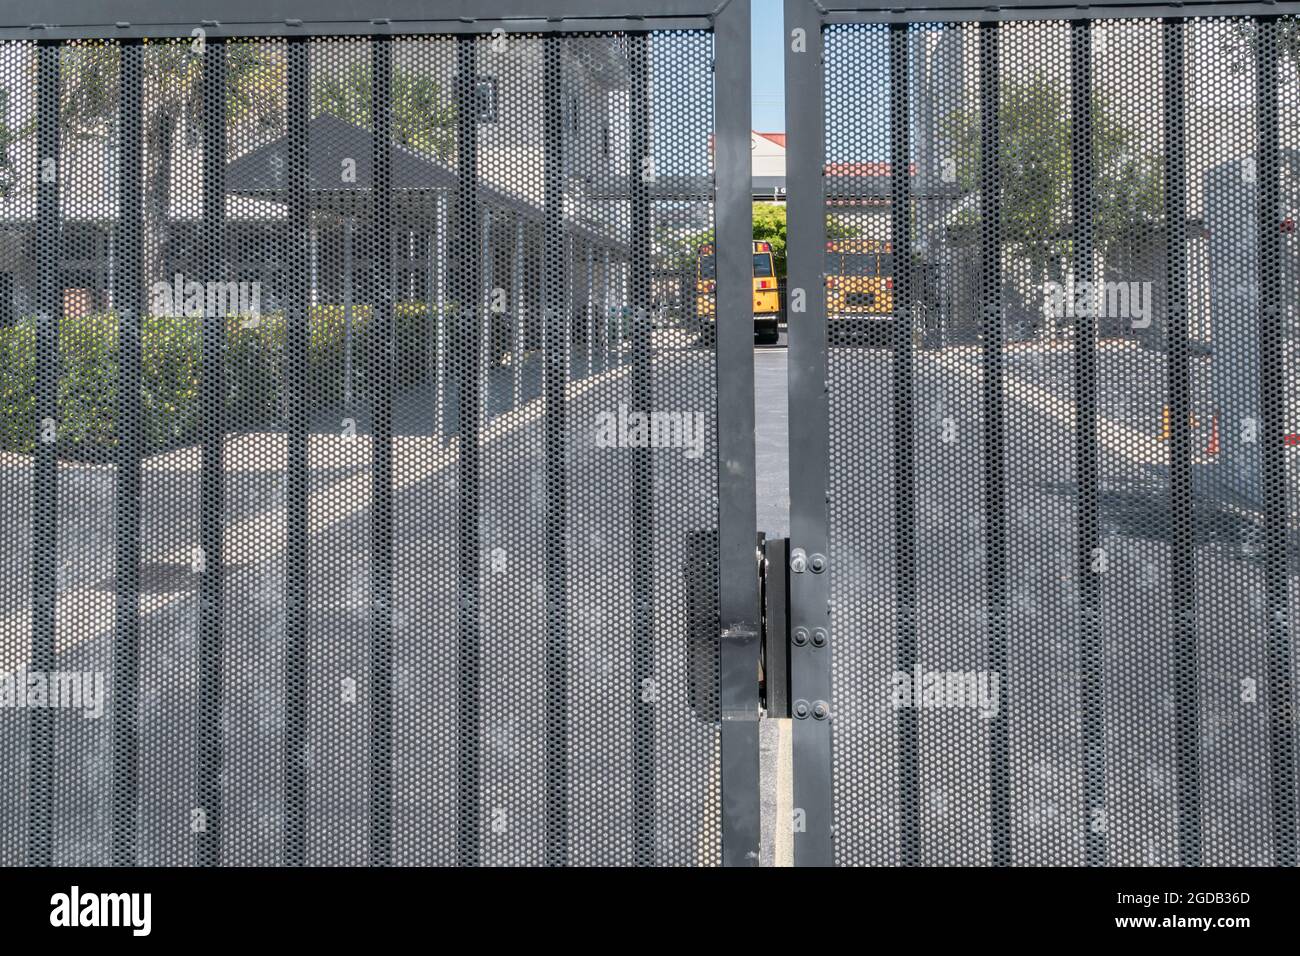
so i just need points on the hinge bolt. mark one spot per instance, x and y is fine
(821, 710)
(820, 637)
(800, 636)
(800, 709)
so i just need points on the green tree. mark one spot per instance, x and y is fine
(423, 118)
(172, 104)
(1034, 163)
(1241, 45)
(679, 251)
(769, 226)
(255, 101)
(9, 135)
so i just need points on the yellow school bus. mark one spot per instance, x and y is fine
(859, 278)
(767, 300)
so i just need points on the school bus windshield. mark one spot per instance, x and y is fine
(762, 266)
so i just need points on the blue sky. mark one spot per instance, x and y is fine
(768, 70)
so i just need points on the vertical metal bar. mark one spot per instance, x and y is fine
(487, 320)
(517, 304)
(440, 301)
(643, 581)
(314, 255)
(431, 328)
(556, 372)
(127, 281)
(905, 521)
(40, 793)
(1272, 404)
(297, 317)
(590, 306)
(625, 303)
(348, 222)
(469, 761)
(995, 442)
(570, 271)
(1182, 577)
(380, 386)
(411, 282)
(810, 666)
(1091, 664)
(212, 481)
(737, 511)
(606, 299)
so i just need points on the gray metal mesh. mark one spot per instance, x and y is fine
(1097, 507)
(362, 580)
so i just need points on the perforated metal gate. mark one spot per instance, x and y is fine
(1047, 503)
(359, 506)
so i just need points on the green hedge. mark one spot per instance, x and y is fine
(170, 370)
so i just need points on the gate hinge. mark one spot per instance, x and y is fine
(774, 648)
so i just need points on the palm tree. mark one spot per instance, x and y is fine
(255, 106)
(172, 104)
(423, 118)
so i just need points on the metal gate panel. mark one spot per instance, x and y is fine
(1048, 478)
(325, 346)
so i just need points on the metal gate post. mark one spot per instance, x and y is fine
(380, 388)
(469, 764)
(296, 336)
(45, 497)
(905, 530)
(643, 572)
(1091, 662)
(212, 395)
(555, 382)
(1273, 424)
(737, 510)
(127, 295)
(810, 662)
(1182, 554)
(995, 440)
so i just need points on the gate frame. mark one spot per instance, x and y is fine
(809, 596)
(48, 22)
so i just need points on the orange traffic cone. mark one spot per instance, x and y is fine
(1213, 447)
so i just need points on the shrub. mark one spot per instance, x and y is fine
(171, 361)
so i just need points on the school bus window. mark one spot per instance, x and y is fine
(708, 267)
(859, 264)
(762, 265)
